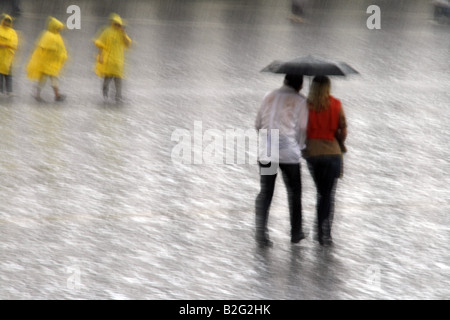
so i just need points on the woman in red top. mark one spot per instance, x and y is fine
(326, 133)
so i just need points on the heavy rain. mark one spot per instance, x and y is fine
(93, 204)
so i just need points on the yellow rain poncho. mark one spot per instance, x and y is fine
(112, 43)
(50, 53)
(8, 46)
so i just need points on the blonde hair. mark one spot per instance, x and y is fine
(319, 94)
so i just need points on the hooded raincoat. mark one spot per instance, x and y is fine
(50, 53)
(112, 45)
(8, 38)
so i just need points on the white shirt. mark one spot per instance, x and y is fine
(284, 109)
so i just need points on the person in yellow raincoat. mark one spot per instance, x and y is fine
(111, 44)
(8, 46)
(48, 58)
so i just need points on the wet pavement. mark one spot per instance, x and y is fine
(92, 205)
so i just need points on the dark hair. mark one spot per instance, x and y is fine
(322, 80)
(293, 80)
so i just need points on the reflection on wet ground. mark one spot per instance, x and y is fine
(93, 207)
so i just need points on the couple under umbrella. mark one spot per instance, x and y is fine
(312, 127)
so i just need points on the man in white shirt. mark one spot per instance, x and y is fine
(284, 110)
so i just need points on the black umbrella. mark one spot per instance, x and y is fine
(310, 66)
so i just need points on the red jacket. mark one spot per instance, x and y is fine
(323, 125)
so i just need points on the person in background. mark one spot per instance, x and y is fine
(297, 11)
(327, 130)
(16, 12)
(285, 110)
(111, 44)
(48, 58)
(8, 46)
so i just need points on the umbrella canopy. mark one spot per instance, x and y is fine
(310, 66)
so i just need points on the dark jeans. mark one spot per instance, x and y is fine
(292, 179)
(325, 171)
(8, 82)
